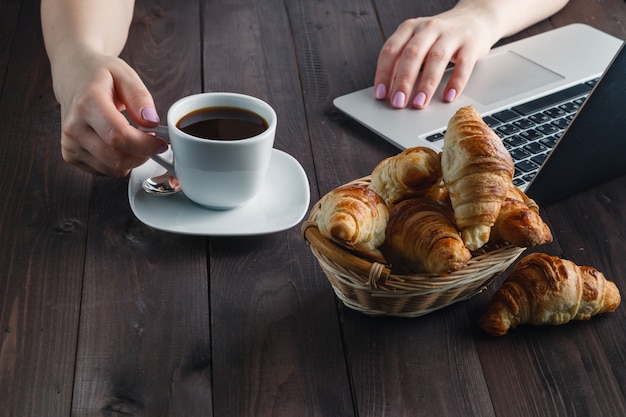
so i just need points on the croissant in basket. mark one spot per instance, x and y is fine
(410, 173)
(519, 223)
(355, 217)
(545, 289)
(422, 237)
(477, 170)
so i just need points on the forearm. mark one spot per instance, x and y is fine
(511, 16)
(95, 26)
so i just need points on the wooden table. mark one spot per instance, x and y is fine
(103, 316)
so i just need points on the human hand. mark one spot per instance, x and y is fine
(96, 137)
(413, 60)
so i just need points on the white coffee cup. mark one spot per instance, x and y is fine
(218, 174)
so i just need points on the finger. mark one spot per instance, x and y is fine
(434, 67)
(116, 132)
(88, 152)
(388, 57)
(135, 96)
(411, 62)
(464, 65)
(83, 145)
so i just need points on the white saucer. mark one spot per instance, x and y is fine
(281, 204)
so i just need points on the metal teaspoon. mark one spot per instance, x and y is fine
(164, 184)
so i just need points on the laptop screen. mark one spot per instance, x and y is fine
(592, 150)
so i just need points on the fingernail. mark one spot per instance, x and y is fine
(150, 115)
(419, 100)
(450, 95)
(398, 99)
(381, 91)
(162, 148)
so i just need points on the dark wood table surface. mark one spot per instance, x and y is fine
(101, 315)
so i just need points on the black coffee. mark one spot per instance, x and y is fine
(222, 123)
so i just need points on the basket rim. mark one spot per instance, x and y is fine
(382, 276)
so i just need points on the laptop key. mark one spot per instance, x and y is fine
(535, 148)
(547, 129)
(570, 107)
(526, 165)
(506, 116)
(555, 112)
(518, 154)
(491, 121)
(561, 123)
(549, 141)
(524, 123)
(518, 182)
(539, 118)
(539, 159)
(435, 137)
(552, 99)
(507, 130)
(514, 141)
(531, 134)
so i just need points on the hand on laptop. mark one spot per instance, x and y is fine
(413, 60)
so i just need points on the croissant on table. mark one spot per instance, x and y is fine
(410, 173)
(519, 222)
(355, 217)
(422, 237)
(544, 289)
(477, 170)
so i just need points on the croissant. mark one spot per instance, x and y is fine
(411, 173)
(519, 222)
(544, 289)
(421, 237)
(478, 171)
(355, 217)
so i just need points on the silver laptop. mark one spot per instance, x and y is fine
(528, 91)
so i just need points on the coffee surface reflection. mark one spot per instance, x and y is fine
(222, 123)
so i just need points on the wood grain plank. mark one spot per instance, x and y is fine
(277, 347)
(144, 342)
(337, 45)
(43, 226)
(8, 23)
(608, 16)
(391, 17)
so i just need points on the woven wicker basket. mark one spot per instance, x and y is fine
(372, 288)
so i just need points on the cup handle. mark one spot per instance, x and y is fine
(162, 132)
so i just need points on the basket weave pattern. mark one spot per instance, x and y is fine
(373, 289)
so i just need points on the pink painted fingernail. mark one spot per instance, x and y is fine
(419, 100)
(162, 148)
(381, 91)
(149, 114)
(450, 95)
(398, 99)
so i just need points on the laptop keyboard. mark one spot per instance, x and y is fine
(530, 130)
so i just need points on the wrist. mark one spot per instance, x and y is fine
(489, 16)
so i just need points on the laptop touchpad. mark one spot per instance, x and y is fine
(505, 75)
